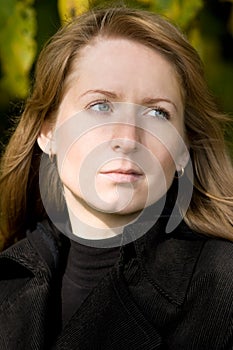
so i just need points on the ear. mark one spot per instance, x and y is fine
(45, 138)
(183, 159)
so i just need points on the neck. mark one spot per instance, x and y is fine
(89, 223)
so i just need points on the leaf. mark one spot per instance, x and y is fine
(145, 1)
(7, 8)
(196, 40)
(70, 8)
(17, 48)
(182, 12)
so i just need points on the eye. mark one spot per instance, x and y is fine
(158, 113)
(101, 106)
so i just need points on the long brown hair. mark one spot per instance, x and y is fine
(210, 210)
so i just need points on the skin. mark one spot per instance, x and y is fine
(118, 134)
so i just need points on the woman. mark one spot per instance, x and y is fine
(118, 175)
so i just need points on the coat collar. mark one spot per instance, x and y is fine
(168, 260)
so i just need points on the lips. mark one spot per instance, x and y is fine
(123, 175)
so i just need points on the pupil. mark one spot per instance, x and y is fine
(104, 107)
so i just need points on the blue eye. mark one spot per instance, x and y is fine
(101, 107)
(158, 113)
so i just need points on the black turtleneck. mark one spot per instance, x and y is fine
(85, 268)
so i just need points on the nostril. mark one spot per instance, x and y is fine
(123, 145)
(117, 147)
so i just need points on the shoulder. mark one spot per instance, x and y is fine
(26, 289)
(19, 264)
(185, 259)
(191, 277)
(214, 267)
(211, 262)
(21, 256)
(21, 271)
(217, 254)
(208, 304)
(41, 249)
(33, 259)
(209, 255)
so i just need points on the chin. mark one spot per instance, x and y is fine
(116, 207)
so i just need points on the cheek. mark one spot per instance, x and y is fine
(167, 151)
(69, 167)
(70, 163)
(162, 155)
(167, 163)
(79, 161)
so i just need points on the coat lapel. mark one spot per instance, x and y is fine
(169, 260)
(27, 309)
(109, 319)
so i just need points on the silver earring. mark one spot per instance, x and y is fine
(51, 157)
(180, 173)
(51, 154)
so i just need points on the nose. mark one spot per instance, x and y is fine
(125, 138)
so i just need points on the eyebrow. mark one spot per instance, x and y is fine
(145, 101)
(103, 92)
(151, 101)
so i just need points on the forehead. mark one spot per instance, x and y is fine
(115, 61)
(107, 52)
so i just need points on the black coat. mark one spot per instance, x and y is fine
(165, 292)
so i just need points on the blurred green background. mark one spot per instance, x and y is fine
(26, 24)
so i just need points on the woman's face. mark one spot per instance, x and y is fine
(119, 129)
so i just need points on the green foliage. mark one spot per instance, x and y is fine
(182, 12)
(71, 8)
(18, 30)
(17, 47)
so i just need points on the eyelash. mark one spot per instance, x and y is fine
(166, 114)
(93, 104)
